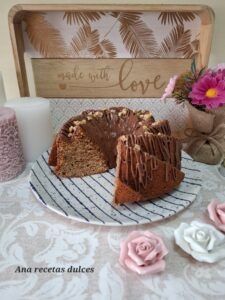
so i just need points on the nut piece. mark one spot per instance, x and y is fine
(89, 118)
(71, 129)
(82, 122)
(123, 112)
(76, 123)
(145, 127)
(147, 116)
(98, 114)
(123, 138)
(137, 147)
(70, 134)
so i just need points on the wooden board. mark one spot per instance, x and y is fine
(101, 78)
(148, 70)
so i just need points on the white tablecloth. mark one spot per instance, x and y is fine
(34, 237)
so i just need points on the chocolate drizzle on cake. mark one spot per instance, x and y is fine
(140, 156)
(164, 147)
(105, 126)
(146, 156)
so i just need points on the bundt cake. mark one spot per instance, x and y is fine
(146, 156)
(86, 144)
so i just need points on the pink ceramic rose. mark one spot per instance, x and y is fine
(143, 253)
(216, 212)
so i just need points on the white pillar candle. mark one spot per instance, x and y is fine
(2, 91)
(33, 117)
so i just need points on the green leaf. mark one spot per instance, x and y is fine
(193, 67)
(201, 72)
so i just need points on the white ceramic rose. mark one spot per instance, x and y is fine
(202, 241)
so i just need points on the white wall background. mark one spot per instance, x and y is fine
(6, 56)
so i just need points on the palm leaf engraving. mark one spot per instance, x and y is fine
(126, 17)
(138, 39)
(192, 49)
(86, 43)
(82, 18)
(85, 39)
(176, 18)
(46, 39)
(177, 44)
(195, 45)
(104, 49)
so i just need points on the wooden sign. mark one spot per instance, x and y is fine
(80, 50)
(105, 78)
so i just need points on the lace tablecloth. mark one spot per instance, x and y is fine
(34, 237)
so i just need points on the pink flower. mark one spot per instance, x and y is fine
(143, 253)
(170, 87)
(209, 90)
(216, 212)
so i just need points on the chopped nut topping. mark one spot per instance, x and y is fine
(76, 122)
(89, 118)
(79, 122)
(123, 138)
(137, 147)
(98, 114)
(70, 134)
(123, 112)
(145, 127)
(141, 116)
(113, 110)
(147, 116)
(140, 123)
(71, 129)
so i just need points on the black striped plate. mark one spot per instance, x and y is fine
(89, 199)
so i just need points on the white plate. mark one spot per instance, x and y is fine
(89, 199)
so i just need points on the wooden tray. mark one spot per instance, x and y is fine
(107, 51)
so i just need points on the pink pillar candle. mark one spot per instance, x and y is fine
(11, 155)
